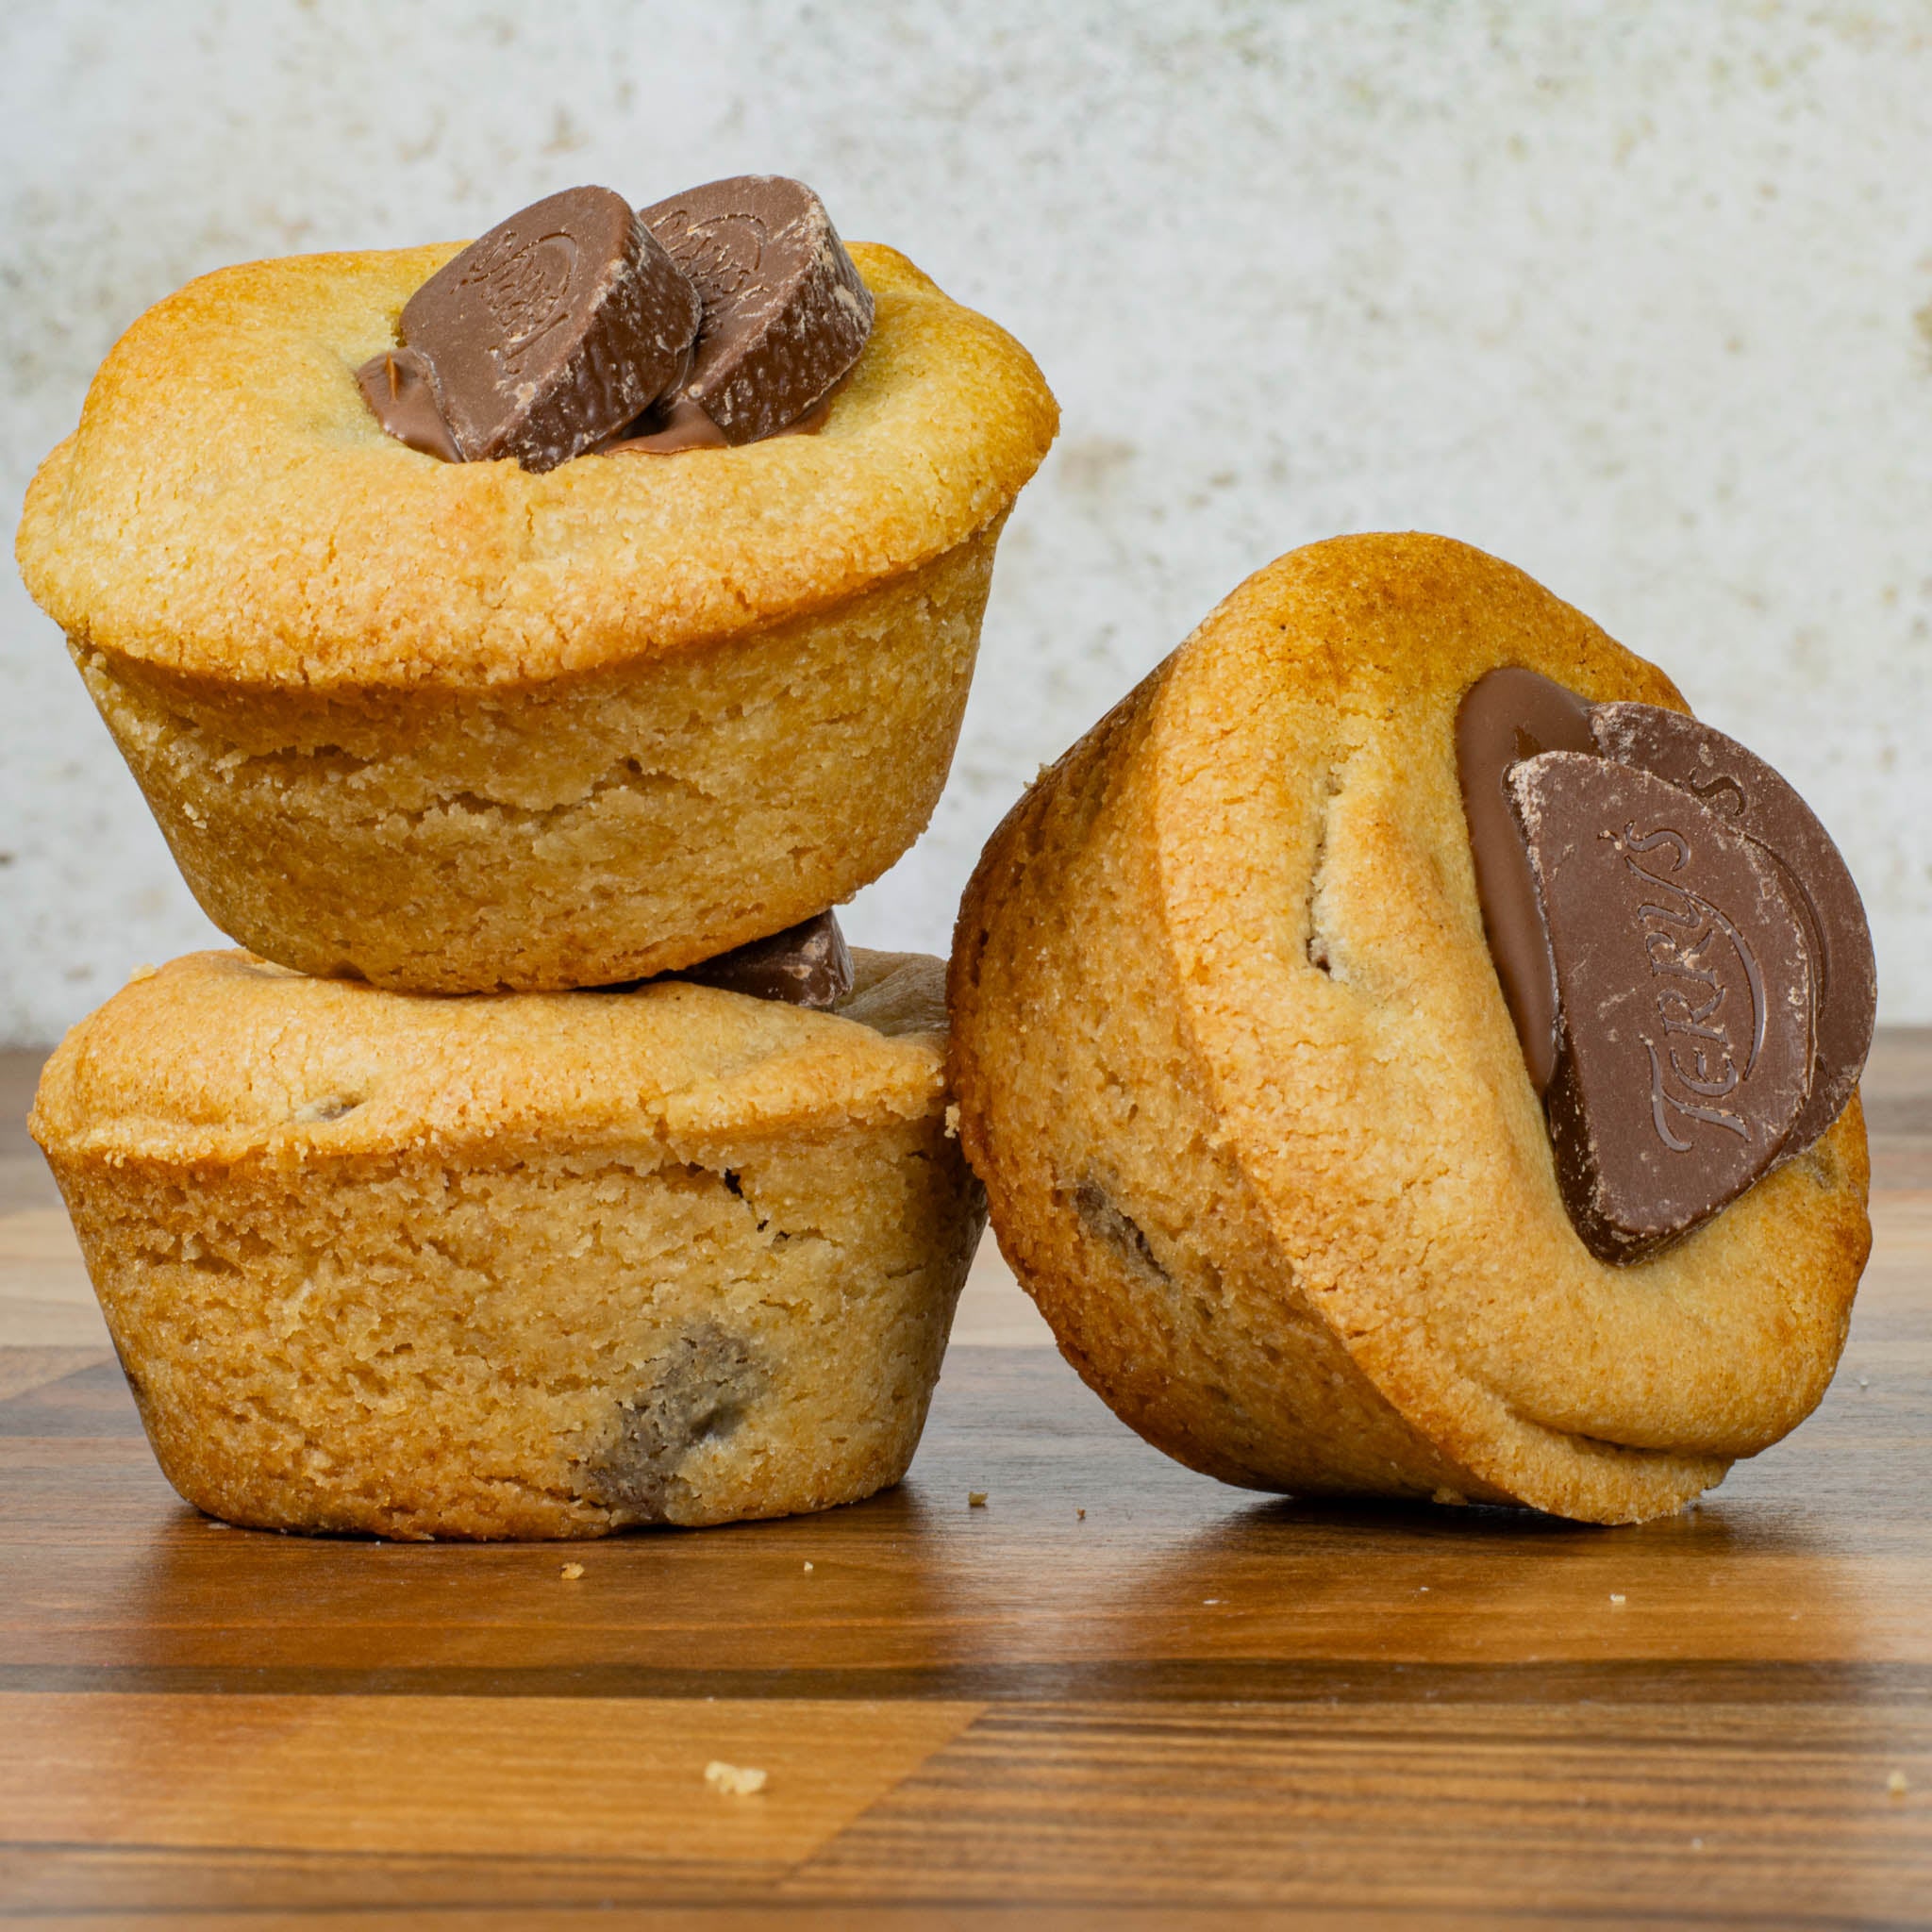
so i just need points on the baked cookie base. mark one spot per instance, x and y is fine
(577, 832)
(724, 1304)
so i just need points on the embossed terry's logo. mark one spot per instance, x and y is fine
(1671, 911)
(721, 254)
(1710, 993)
(525, 286)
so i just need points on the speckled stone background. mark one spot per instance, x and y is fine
(1639, 296)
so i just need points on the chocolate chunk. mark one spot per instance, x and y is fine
(1103, 1216)
(1665, 1101)
(681, 424)
(1506, 717)
(557, 328)
(786, 312)
(1750, 798)
(395, 385)
(1684, 1033)
(701, 1389)
(808, 965)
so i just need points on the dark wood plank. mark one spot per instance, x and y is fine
(1817, 1551)
(1694, 1813)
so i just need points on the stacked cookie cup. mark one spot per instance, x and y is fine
(440, 1210)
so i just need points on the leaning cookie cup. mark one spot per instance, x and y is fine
(459, 728)
(1273, 1167)
(531, 1266)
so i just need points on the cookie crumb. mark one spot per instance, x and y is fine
(807, 1563)
(1897, 1784)
(1450, 1499)
(975, 1499)
(1081, 1514)
(571, 1571)
(953, 1119)
(1617, 1596)
(735, 1780)
(142, 972)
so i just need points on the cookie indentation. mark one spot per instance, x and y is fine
(1321, 955)
(327, 1108)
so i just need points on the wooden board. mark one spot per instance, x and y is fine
(1189, 1698)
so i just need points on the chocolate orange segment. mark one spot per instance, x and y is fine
(554, 330)
(786, 311)
(1683, 1000)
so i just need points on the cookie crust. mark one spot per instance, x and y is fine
(228, 507)
(1272, 1166)
(530, 1266)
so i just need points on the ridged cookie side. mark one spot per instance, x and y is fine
(1117, 1197)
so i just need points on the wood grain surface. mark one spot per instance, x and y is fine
(1186, 1702)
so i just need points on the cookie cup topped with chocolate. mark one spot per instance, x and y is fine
(1258, 1126)
(467, 725)
(531, 1265)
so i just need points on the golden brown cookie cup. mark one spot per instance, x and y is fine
(537, 1265)
(1233, 1062)
(458, 727)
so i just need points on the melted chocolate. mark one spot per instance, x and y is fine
(396, 386)
(667, 431)
(1507, 717)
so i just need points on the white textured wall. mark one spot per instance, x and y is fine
(1637, 296)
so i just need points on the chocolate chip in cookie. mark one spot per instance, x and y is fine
(805, 965)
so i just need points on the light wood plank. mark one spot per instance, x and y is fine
(46, 1298)
(29, 1368)
(584, 1777)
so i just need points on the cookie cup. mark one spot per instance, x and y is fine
(455, 727)
(529, 1266)
(1232, 1059)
